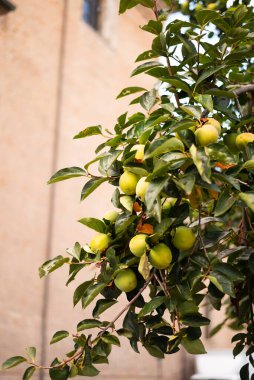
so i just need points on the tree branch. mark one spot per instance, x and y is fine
(243, 89)
(125, 308)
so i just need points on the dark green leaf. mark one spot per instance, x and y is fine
(91, 293)
(59, 335)
(130, 90)
(80, 291)
(28, 373)
(244, 372)
(222, 283)
(153, 26)
(67, 173)
(194, 347)
(61, 373)
(152, 305)
(88, 324)
(153, 190)
(207, 74)
(90, 186)
(144, 67)
(12, 362)
(102, 305)
(89, 131)
(94, 223)
(110, 339)
(89, 371)
(51, 265)
(194, 111)
(205, 16)
(195, 320)
(154, 351)
(224, 203)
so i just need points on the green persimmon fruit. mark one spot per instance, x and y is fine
(126, 280)
(206, 135)
(128, 182)
(141, 188)
(243, 139)
(160, 256)
(100, 242)
(111, 215)
(184, 238)
(140, 151)
(215, 123)
(138, 245)
(230, 141)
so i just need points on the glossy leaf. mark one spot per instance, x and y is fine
(67, 173)
(59, 335)
(94, 224)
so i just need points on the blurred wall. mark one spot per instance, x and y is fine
(58, 76)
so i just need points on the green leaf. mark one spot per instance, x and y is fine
(110, 339)
(202, 163)
(194, 347)
(67, 173)
(244, 372)
(153, 26)
(143, 266)
(123, 222)
(74, 371)
(75, 251)
(80, 291)
(144, 67)
(90, 186)
(228, 270)
(205, 16)
(102, 305)
(195, 320)
(31, 352)
(29, 373)
(151, 305)
(154, 351)
(222, 283)
(12, 362)
(224, 203)
(207, 73)
(194, 111)
(91, 293)
(178, 84)
(206, 101)
(88, 324)
(126, 4)
(130, 90)
(161, 146)
(61, 373)
(148, 99)
(89, 371)
(59, 335)
(248, 199)
(94, 224)
(146, 55)
(51, 265)
(153, 190)
(89, 131)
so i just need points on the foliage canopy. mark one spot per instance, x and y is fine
(193, 143)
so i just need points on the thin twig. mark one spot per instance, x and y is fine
(163, 287)
(110, 324)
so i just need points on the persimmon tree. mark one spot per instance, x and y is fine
(181, 232)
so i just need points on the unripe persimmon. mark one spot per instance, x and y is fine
(111, 216)
(138, 245)
(126, 280)
(128, 182)
(230, 141)
(100, 243)
(206, 135)
(184, 238)
(140, 149)
(160, 256)
(141, 188)
(243, 139)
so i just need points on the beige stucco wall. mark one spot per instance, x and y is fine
(58, 76)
